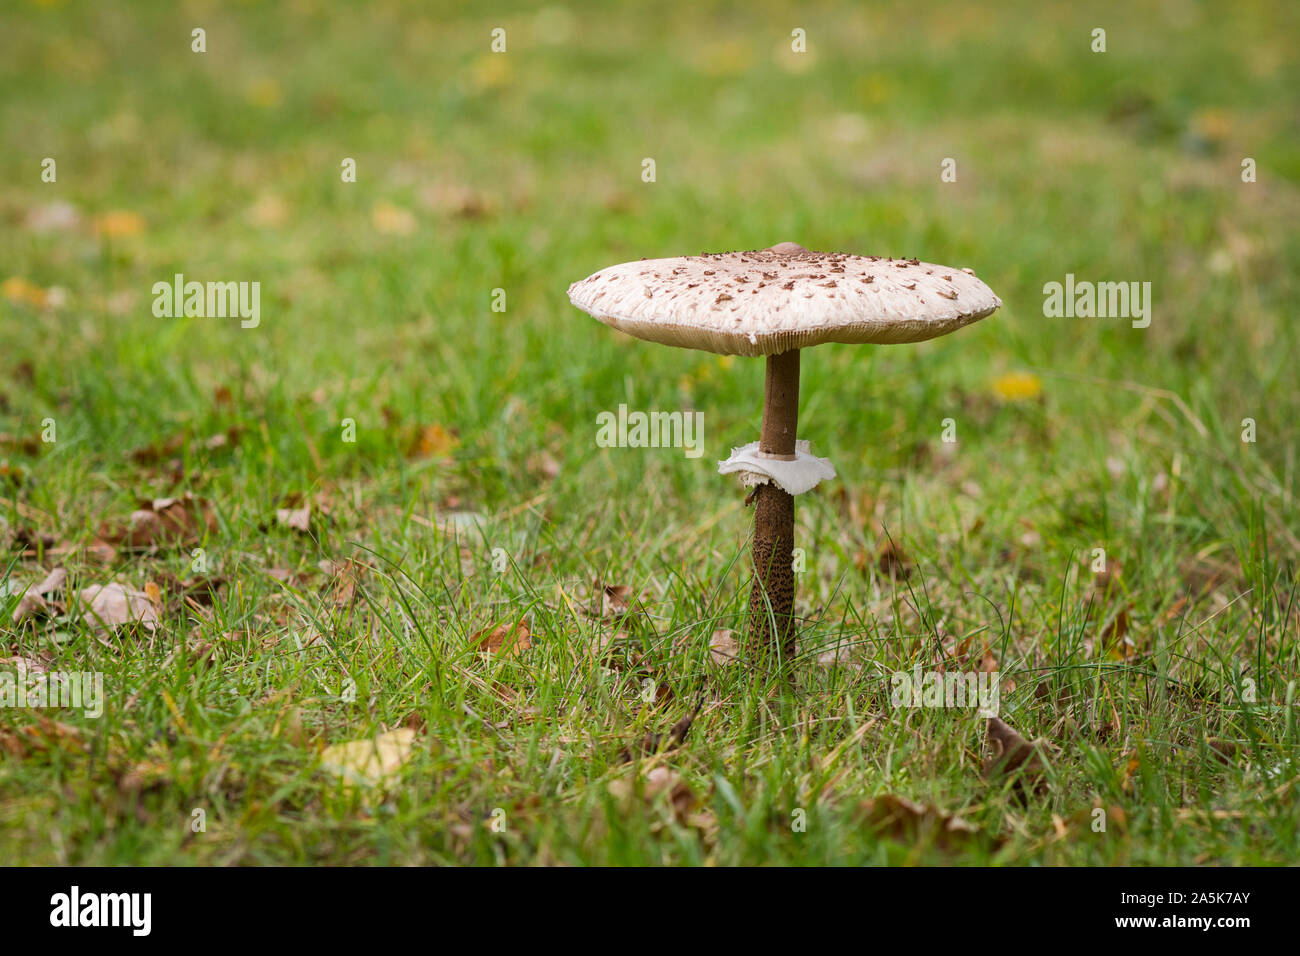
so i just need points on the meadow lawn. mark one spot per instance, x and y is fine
(383, 513)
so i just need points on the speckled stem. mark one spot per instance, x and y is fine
(771, 597)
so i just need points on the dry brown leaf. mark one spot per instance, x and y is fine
(96, 550)
(1226, 751)
(893, 562)
(723, 647)
(1115, 640)
(619, 603)
(110, 606)
(41, 737)
(179, 522)
(1132, 764)
(666, 784)
(29, 445)
(910, 822)
(507, 640)
(171, 449)
(1012, 754)
(1107, 589)
(344, 576)
(545, 464)
(33, 603)
(295, 519)
(433, 441)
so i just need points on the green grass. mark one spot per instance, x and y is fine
(522, 171)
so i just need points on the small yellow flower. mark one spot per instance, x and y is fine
(21, 292)
(119, 224)
(1018, 386)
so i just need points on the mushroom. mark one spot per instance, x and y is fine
(774, 302)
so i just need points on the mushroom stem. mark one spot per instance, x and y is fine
(771, 597)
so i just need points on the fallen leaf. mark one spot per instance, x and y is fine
(909, 822)
(173, 447)
(41, 737)
(433, 441)
(144, 775)
(507, 640)
(372, 762)
(29, 445)
(1011, 755)
(109, 606)
(893, 562)
(1226, 751)
(296, 519)
(1115, 640)
(344, 576)
(660, 783)
(459, 201)
(619, 603)
(545, 464)
(1132, 764)
(177, 522)
(33, 603)
(723, 647)
(1203, 574)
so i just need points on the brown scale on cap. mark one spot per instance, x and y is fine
(794, 307)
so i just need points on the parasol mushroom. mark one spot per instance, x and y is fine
(774, 302)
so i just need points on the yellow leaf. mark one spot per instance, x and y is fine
(372, 762)
(433, 441)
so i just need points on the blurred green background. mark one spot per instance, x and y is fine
(522, 171)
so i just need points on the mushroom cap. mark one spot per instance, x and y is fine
(769, 301)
